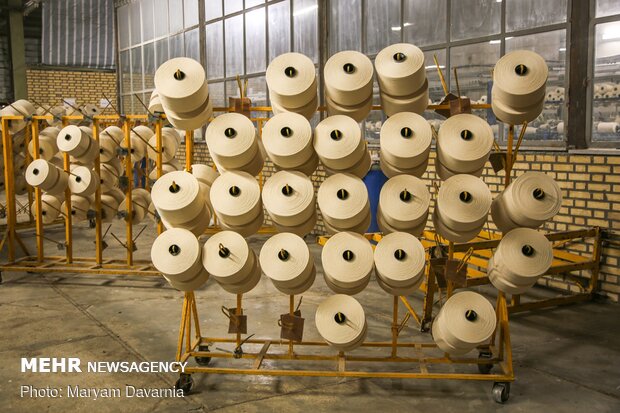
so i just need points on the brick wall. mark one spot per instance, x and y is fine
(48, 87)
(591, 189)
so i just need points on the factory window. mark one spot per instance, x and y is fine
(605, 93)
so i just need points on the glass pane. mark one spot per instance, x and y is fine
(232, 90)
(192, 44)
(382, 24)
(126, 104)
(419, 28)
(474, 64)
(606, 82)
(149, 66)
(255, 41)
(190, 8)
(279, 29)
(161, 17)
(125, 72)
(175, 13)
(234, 45)
(607, 7)
(552, 47)
(215, 51)
(213, 9)
(252, 3)
(231, 6)
(345, 26)
(136, 69)
(122, 14)
(257, 91)
(525, 14)
(305, 31)
(147, 20)
(176, 46)
(134, 25)
(161, 49)
(216, 94)
(474, 18)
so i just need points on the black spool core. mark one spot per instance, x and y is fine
(174, 187)
(406, 132)
(40, 150)
(43, 213)
(521, 70)
(67, 137)
(174, 250)
(35, 171)
(538, 193)
(283, 254)
(348, 68)
(342, 194)
(348, 255)
(73, 212)
(527, 250)
(471, 315)
(405, 196)
(78, 179)
(224, 252)
(466, 134)
(287, 190)
(465, 196)
(179, 74)
(399, 57)
(290, 71)
(336, 135)
(234, 190)
(230, 132)
(286, 132)
(340, 318)
(400, 254)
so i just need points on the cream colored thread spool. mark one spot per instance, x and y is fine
(181, 84)
(416, 102)
(50, 208)
(338, 142)
(530, 200)
(192, 120)
(176, 253)
(47, 147)
(390, 170)
(343, 201)
(348, 78)
(404, 202)
(139, 210)
(196, 226)
(347, 260)
(169, 145)
(285, 258)
(117, 194)
(357, 112)
(405, 140)
(171, 166)
(205, 174)
(42, 174)
(521, 258)
(177, 197)
(73, 140)
(288, 197)
(107, 179)
(83, 181)
(287, 138)
(18, 108)
(236, 198)
(462, 207)
(341, 322)
(232, 141)
(519, 78)
(291, 79)
(400, 261)
(79, 208)
(400, 69)
(464, 143)
(228, 258)
(465, 321)
(307, 111)
(516, 116)
(109, 207)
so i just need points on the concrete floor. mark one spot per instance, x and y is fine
(565, 359)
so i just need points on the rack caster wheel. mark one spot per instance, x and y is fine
(203, 361)
(501, 392)
(486, 367)
(184, 383)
